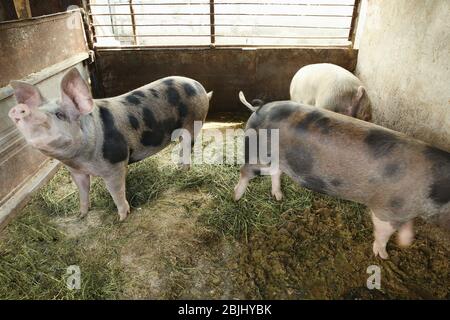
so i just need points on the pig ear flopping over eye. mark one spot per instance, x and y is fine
(75, 93)
(26, 93)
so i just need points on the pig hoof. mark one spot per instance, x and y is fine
(238, 192)
(184, 167)
(278, 195)
(123, 216)
(82, 214)
(380, 251)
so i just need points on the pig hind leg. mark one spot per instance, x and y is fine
(406, 234)
(83, 182)
(383, 230)
(276, 185)
(116, 187)
(248, 172)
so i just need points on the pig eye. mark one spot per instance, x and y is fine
(60, 115)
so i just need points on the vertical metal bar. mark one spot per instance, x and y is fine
(133, 22)
(97, 86)
(212, 28)
(354, 23)
(88, 24)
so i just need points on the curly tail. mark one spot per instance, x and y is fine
(246, 103)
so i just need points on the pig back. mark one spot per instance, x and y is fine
(359, 161)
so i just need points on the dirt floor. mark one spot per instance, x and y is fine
(187, 238)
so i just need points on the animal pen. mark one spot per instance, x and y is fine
(186, 237)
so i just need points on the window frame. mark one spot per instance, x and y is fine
(212, 35)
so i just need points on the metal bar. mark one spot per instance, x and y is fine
(219, 36)
(133, 21)
(221, 25)
(89, 29)
(219, 46)
(226, 14)
(353, 24)
(212, 28)
(225, 3)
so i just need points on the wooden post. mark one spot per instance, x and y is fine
(23, 9)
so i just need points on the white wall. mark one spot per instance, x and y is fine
(404, 60)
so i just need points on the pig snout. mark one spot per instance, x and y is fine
(19, 112)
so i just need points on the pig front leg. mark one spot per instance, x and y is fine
(276, 185)
(383, 230)
(115, 183)
(83, 182)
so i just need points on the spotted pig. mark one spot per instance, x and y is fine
(99, 137)
(397, 177)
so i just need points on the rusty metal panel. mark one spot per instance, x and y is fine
(39, 51)
(30, 45)
(262, 72)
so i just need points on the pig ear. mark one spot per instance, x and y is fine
(352, 110)
(75, 93)
(26, 93)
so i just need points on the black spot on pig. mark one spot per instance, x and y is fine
(324, 125)
(314, 183)
(157, 130)
(314, 117)
(440, 187)
(115, 148)
(396, 202)
(380, 142)
(152, 138)
(173, 96)
(149, 118)
(168, 82)
(391, 170)
(133, 121)
(155, 93)
(132, 99)
(189, 89)
(336, 182)
(440, 190)
(281, 112)
(300, 161)
(182, 110)
(138, 93)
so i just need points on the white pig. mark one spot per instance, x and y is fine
(331, 87)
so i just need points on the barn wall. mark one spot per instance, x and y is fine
(404, 60)
(260, 73)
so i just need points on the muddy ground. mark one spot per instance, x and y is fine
(187, 238)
